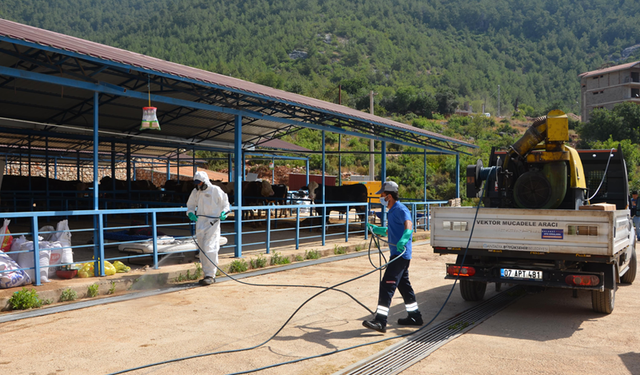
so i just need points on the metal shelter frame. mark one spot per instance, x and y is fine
(73, 95)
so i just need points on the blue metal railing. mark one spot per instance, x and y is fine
(101, 233)
(300, 228)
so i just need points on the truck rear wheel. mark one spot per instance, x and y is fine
(628, 277)
(472, 290)
(603, 302)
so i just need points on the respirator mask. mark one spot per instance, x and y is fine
(200, 185)
(383, 201)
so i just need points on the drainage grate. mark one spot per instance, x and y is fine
(406, 353)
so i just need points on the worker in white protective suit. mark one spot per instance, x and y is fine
(206, 204)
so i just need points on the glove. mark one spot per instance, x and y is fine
(192, 216)
(223, 215)
(380, 231)
(406, 237)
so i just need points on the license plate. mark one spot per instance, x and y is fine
(509, 273)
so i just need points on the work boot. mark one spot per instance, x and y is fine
(375, 325)
(208, 280)
(413, 319)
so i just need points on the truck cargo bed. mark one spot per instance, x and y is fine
(583, 232)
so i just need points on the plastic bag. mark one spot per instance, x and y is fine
(7, 239)
(86, 270)
(64, 237)
(15, 246)
(109, 269)
(14, 277)
(25, 260)
(121, 267)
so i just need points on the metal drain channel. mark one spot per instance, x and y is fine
(407, 352)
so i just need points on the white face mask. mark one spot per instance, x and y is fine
(383, 201)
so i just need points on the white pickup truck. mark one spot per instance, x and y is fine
(577, 249)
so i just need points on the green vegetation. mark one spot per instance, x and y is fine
(299, 258)
(607, 129)
(312, 254)
(278, 258)
(337, 250)
(238, 265)
(259, 262)
(112, 288)
(419, 56)
(26, 299)
(92, 290)
(196, 275)
(68, 295)
(422, 58)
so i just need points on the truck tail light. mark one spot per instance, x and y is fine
(582, 280)
(461, 271)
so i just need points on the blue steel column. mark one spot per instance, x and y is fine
(273, 171)
(324, 182)
(46, 163)
(129, 168)
(36, 250)
(98, 249)
(425, 175)
(168, 169)
(77, 165)
(178, 162)
(307, 171)
(426, 212)
(193, 161)
(238, 184)
(113, 161)
(230, 165)
(457, 175)
(383, 176)
(340, 162)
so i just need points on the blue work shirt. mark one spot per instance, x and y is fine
(397, 215)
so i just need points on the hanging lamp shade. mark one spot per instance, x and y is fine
(149, 118)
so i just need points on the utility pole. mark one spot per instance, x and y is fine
(371, 144)
(339, 141)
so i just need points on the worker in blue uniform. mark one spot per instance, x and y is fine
(400, 232)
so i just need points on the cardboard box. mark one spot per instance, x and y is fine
(600, 207)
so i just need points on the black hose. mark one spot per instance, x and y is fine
(386, 338)
(333, 287)
(312, 297)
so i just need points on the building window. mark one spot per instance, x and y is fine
(595, 93)
(635, 77)
(635, 93)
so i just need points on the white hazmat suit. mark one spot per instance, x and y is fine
(211, 201)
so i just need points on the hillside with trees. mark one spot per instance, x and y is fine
(423, 58)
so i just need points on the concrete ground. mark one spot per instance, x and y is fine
(176, 266)
(544, 333)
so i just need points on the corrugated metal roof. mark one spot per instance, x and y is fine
(610, 69)
(138, 61)
(279, 144)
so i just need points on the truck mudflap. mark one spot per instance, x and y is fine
(569, 279)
